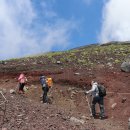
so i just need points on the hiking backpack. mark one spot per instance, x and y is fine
(49, 82)
(102, 90)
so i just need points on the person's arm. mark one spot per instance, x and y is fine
(92, 89)
(19, 78)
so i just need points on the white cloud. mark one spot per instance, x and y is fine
(58, 34)
(116, 21)
(46, 10)
(23, 31)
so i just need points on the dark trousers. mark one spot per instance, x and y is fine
(21, 86)
(98, 100)
(45, 91)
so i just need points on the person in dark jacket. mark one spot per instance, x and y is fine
(45, 88)
(96, 99)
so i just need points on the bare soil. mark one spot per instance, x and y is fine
(67, 101)
(68, 108)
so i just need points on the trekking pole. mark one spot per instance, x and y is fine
(90, 110)
(129, 123)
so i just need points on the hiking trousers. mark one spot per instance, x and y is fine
(45, 91)
(21, 86)
(98, 100)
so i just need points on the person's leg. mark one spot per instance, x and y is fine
(19, 86)
(47, 89)
(44, 95)
(101, 105)
(93, 106)
(22, 86)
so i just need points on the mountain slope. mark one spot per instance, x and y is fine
(72, 72)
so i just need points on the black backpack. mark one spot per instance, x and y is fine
(102, 90)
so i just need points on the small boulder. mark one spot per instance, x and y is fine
(58, 62)
(109, 64)
(76, 73)
(12, 91)
(73, 119)
(113, 106)
(125, 66)
(86, 118)
(25, 88)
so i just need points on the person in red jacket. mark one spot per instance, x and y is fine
(22, 80)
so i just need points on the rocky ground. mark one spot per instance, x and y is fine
(68, 108)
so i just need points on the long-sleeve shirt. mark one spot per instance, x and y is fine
(94, 90)
(22, 78)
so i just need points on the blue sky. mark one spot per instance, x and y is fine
(29, 27)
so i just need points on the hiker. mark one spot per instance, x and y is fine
(45, 88)
(22, 81)
(96, 99)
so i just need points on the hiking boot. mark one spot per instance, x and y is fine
(92, 115)
(45, 103)
(20, 92)
(102, 117)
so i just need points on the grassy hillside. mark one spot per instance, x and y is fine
(87, 56)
